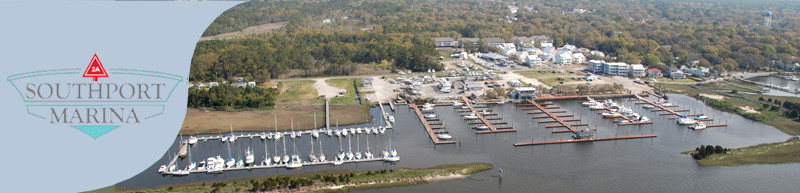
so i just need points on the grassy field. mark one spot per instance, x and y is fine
(685, 80)
(774, 153)
(357, 180)
(348, 98)
(549, 78)
(212, 122)
(298, 92)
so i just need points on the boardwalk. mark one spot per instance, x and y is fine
(492, 128)
(385, 116)
(427, 126)
(629, 120)
(563, 123)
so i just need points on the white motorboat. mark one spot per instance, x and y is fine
(201, 164)
(686, 120)
(338, 162)
(391, 119)
(702, 116)
(456, 104)
(392, 157)
(295, 162)
(224, 138)
(482, 127)
(210, 163)
(180, 173)
(430, 116)
(353, 131)
(249, 157)
(358, 130)
(426, 109)
(501, 102)
(444, 136)
(471, 116)
(597, 107)
(263, 136)
(215, 165)
(648, 106)
(699, 126)
(162, 169)
(192, 140)
(589, 103)
(465, 107)
(427, 105)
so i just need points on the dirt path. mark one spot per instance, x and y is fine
(324, 89)
(247, 31)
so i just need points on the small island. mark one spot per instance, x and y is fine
(773, 153)
(324, 181)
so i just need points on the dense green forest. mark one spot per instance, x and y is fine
(723, 35)
(226, 97)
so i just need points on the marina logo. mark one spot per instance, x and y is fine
(64, 98)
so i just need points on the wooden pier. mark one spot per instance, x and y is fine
(630, 121)
(492, 128)
(385, 116)
(427, 126)
(707, 126)
(583, 140)
(554, 117)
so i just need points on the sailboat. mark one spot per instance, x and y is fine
(329, 132)
(339, 157)
(382, 129)
(367, 130)
(315, 133)
(183, 151)
(267, 160)
(192, 164)
(358, 148)
(321, 154)
(374, 130)
(311, 156)
(240, 163)
(391, 156)
(249, 157)
(276, 158)
(295, 161)
(368, 155)
(192, 140)
(349, 150)
(230, 161)
(232, 138)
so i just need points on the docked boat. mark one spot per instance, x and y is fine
(230, 163)
(353, 131)
(240, 163)
(430, 116)
(286, 159)
(699, 126)
(589, 103)
(350, 155)
(471, 116)
(215, 165)
(201, 164)
(597, 107)
(392, 157)
(648, 106)
(180, 173)
(224, 138)
(295, 162)
(192, 140)
(276, 159)
(701, 116)
(501, 102)
(162, 169)
(329, 132)
(391, 119)
(611, 115)
(444, 136)
(232, 138)
(426, 109)
(368, 130)
(278, 135)
(482, 127)
(456, 104)
(315, 134)
(263, 136)
(249, 157)
(358, 130)
(382, 130)
(341, 155)
(686, 120)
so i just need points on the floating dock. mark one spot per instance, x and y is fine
(427, 126)
(562, 123)
(492, 128)
(583, 140)
(262, 166)
(630, 121)
(385, 116)
(714, 125)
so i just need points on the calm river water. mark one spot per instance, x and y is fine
(637, 165)
(780, 82)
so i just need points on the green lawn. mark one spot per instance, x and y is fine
(782, 152)
(549, 78)
(293, 92)
(347, 84)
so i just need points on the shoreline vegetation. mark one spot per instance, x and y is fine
(329, 180)
(769, 114)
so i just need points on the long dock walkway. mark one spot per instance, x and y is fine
(630, 121)
(262, 166)
(385, 116)
(583, 140)
(427, 126)
(554, 117)
(661, 108)
(492, 128)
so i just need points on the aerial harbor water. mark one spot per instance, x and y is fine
(633, 165)
(780, 82)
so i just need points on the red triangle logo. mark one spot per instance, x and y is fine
(95, 69)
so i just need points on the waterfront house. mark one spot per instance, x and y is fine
(524, 93)
(637, 70)
(654, 73)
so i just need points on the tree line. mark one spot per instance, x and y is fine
(704, 151)
(723, 35)
(227, 97)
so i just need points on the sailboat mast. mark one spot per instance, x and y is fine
(229, 144)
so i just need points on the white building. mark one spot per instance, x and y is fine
(445, 42)
(533, 60)
(546, 44)
(595, 66)
(637, 70)
(524, 93)
(615, 69)
(564, 57)
(578, 58)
